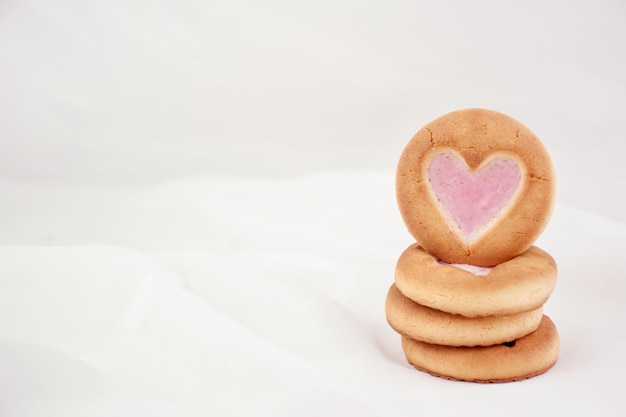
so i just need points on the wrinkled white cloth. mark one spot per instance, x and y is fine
(227, 296)
(147, 270)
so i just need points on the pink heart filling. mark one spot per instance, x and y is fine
(472, 200)
(480, 271)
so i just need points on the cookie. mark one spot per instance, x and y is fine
(522, 284)
(475, 187)
(523, 358)
(428, 325)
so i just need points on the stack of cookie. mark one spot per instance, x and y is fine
(475, 189)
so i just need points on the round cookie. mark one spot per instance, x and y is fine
(522, 284)
(524, 358)
(437, 327)
(475, 187)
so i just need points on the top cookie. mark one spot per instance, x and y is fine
(475, 187)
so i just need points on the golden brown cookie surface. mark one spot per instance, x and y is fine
(475, 187)
(524, 358)
(522, 284)
(437, 327)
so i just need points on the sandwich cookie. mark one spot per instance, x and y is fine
(475, 187)
(425, 324)
(523, 358)
(521, 284)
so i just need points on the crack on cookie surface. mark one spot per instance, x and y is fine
(432, 140)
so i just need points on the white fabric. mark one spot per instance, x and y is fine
(195, 298)
(197, 209)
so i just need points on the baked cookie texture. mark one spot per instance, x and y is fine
(521, 284)
(477, 139)
(428, 325)
(524, 358)
(475, 188)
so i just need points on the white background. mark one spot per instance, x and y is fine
(232, 162)
(131, 90)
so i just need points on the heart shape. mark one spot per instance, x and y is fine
(472, 199)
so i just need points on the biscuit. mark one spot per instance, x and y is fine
(475, 187)
(523, 358)
(437, 327)
(522, 284)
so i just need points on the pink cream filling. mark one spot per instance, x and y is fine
(476, 270)
(472, 199)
